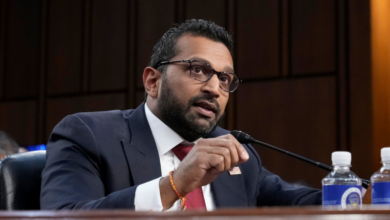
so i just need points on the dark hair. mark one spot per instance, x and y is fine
(7, 144)
(165, 48)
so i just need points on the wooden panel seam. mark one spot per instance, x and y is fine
(347, 79)
(284, 38)
(41, 119)
(86, 47)
(3, 35)
(131, 48)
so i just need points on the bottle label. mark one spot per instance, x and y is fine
(381, 193)
(348, 196)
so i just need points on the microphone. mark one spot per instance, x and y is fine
(246, 139)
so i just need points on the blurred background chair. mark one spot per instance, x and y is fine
(8, 145)
(20, 180)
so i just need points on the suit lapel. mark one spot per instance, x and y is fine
(144, 162)
(141, 150)
(228, 190)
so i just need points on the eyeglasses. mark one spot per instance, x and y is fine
(202, 71)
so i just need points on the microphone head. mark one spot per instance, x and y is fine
(241, 136)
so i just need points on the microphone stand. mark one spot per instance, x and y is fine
(246, 138)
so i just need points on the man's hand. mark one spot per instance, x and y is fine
(207, 159)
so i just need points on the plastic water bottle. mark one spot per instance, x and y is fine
(381, 180)
(342, 187)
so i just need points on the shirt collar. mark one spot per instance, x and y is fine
(164, 136)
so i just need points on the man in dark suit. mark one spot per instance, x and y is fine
(124, 159)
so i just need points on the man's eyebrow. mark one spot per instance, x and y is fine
(226, 68)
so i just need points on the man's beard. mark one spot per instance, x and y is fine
(178, 115)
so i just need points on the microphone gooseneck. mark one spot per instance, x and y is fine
(245, 138)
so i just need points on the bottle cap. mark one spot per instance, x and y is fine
(385, 154)
(341, 158)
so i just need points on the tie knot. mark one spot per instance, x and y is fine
(181, 151)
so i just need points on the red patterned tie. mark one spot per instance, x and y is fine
(194, 199)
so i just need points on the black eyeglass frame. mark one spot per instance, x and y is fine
(212, 69)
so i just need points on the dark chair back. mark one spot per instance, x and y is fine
(20, 180)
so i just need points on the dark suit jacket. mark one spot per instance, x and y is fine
(97, 160)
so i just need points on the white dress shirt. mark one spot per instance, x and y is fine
(147, 195)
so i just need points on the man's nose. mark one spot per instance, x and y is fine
(212, 86)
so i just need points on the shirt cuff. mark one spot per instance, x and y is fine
(147, 196)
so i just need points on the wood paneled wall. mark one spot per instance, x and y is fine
(380, 35)
(305, 66)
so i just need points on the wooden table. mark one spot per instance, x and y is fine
(367, 213)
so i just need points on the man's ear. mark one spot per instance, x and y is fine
(152, 81)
